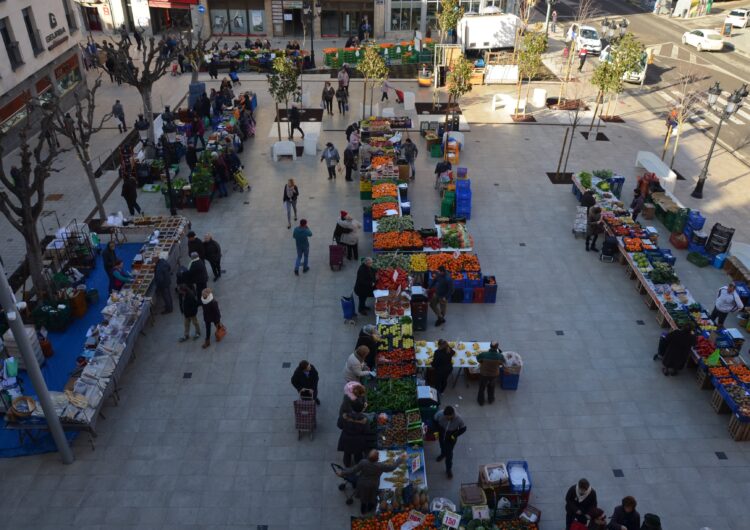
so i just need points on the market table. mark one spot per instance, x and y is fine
(417, 473)
(464, 359)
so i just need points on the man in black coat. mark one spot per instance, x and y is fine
(196, 245)
(580, 500)
(368, 336)
(163, 281)
(675, 348)
(198, 273)
(306, 377)
(364, 285)
(189, 307)
(213, 255)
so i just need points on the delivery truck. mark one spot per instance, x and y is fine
(487, 32)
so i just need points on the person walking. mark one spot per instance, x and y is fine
(119, 113)
(291, 193)
(343, 79)
(727, 301)
(588, 199)
(442, 288)
(384, 88)
(368, 471)
(331, 157)
(449, 427)
(191, 158)
(350, 160)
(163, 281)
(342, 98)
(369, 336)
(109, 258)
(212, 251)
(189, 307)
(582, 54)
(580, 501)
(295, 120)
(625, 516)
(138, 38)
(442, 365)
(120, 276)
(674, 349)
(197, 272)
(124, 35)
(489, 370)
(593, 228)
(553, 25)
(355, 367)
(364, 285)
(213, 70)
(327, 97)
(305, 376)
(409, 151)
(211, 314)
(301, 235)
(130, 194)
(350, 238)
(636, 205)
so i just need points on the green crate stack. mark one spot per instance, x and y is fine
(447, 204)
(349, 57)
(331, 59)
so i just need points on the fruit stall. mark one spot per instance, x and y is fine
(716, 355)
(395, 53)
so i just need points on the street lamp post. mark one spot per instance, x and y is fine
(550, 3)
(141, 125)
(734, 102)
(311, 11)
(167, 140)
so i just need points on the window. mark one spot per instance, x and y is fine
(36, 40)
(14, 112)
(69, 16)
(67, 75)
(405, 15)
(11, 45)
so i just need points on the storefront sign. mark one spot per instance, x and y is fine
(54, 35)
(57, 43)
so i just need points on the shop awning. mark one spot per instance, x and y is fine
(165, 4)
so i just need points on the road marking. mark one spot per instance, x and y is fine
(673, 97)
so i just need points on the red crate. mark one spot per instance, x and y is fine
(478, 295)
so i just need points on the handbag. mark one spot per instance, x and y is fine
(221, 331)
(322, 104)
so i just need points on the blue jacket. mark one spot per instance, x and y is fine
(443, 285)
(301, 235)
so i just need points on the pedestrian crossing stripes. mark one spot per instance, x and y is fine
(706, 116)
(670, 50)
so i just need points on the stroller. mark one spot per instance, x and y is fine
(348, 480)
(609, 249)
(305, 414)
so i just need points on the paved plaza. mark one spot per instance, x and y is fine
(219, 450)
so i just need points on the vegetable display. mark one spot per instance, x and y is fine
(380, 210)
(387, 259)
(663, 273)
(387, 520)
(418, 263)
(397, 240)
(395, 223)
(464, 262)
(396, 395)
(384, 279)
(384, 189)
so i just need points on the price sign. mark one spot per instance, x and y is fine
(416, 463)
(416, 517)
(480, 512)
(451, 520)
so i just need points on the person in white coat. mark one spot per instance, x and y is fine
(350, 237)
(356, 367)
(727, 301)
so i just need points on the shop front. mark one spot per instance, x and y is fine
(167, 16)
(238, 17)
(344, 19)
(67, 75)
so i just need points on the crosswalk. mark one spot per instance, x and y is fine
(706, 117)
(670, 50)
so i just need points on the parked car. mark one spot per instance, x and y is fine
(628, 77)
(585, 37)
(704, 39)
(739, 18)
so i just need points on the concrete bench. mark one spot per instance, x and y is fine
(284, 148)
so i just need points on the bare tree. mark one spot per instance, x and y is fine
(79, 126)
(585, 11)
(22, 195)
(195, 47)
(690, 98)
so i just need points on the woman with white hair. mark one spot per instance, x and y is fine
(211, 314)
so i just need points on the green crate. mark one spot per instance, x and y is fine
(436, 151)
(698, 260)
(365, 195)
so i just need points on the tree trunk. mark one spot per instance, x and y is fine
(85, 159)
(278, 120)
(445, 128)
(614, 108)
(676, 141)
(570, 144)
(148, 113)
(596, 109)
(288, 120)
(364, 99)
(34, 256)
(195, 70)
(518, 96)
(528, 89)
(567, 75)
(372, 89)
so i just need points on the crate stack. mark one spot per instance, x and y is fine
(694, 232)
(463, 198)
(11, 346)
(719, 240)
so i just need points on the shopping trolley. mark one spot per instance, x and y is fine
(240, 182)
(305, 413)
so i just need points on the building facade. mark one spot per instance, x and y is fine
(39, 56)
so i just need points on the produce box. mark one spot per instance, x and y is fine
(516, 470)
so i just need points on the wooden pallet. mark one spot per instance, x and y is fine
(702, 379)
(650, 302)
(738, 430)
(718, 404)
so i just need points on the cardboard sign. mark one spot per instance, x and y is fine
(416, 463)
(451, 519)
(480, 512)
(415, 520)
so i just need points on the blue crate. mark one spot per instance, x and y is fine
(509, 381)
(466, 214)
(688, 231)
(719, 260)
(474, 283)
(696, 220)
(463, 196)
(615, 185)
(468, 295)
(667, 256)
(464, 184)
(700, 249)
(577, 192)
(743, 291)
(490, 291)
(461, 172)
(367, 222)
(459, 281)
(519, 463)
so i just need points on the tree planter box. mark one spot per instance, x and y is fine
(202, 204)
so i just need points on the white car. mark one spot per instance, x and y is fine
(704, 39)
(629, 77)
(589, 39)
(738, 18)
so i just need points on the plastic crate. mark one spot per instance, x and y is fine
(464, 213)
(367, 222)
(475, 282)
(698, 259)
(478, 295)
(436, 151)
(490, 291)
(519, 488)
(696, 220)
(696, 249)
(459, 281)
(463, 184)
(615, 185)
(509, 381)
(462, 172)
(719, 260)
(667, 256)
(468, 295)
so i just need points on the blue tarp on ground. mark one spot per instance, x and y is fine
(67, 347)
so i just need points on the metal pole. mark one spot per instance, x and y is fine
(7, 301)
(546, 20)
(698, 191)
(312, 35)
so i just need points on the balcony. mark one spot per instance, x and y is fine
(14, 55)
(36, 42)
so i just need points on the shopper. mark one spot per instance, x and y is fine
(588, 199)
(598, 520)
(409, 151)
(340, 228)
(191, 158)
(130, 193)
(212, 251)
(189, 308)
(301, 235)
(449, 427)
(109, 258)
(442, 365)
(350, 238)
(306, 377)
(213, 70)
(368, 471)
(442, 288)
(355, 366)
(163, 281)
(220, 174)
(197, 272)
(331, 157)
(195, 245)
(676, 346)
(124, 36)
(119, 113)
(197, 130)
(489, 370)
(138, 38)
(625, 516)
(295, 121)
(120, 275)
(580, 501)
(342, 99)
(350, 160)
(343, 79)
(553, 25)
(211, 314)
(355, 399)
(384, 88)
(593, 228)
(291, 193)
(356, 438)
(364, 285)
(727, 301)
(327, 97)
(582, 54)
(369, 337)
(636, 205)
